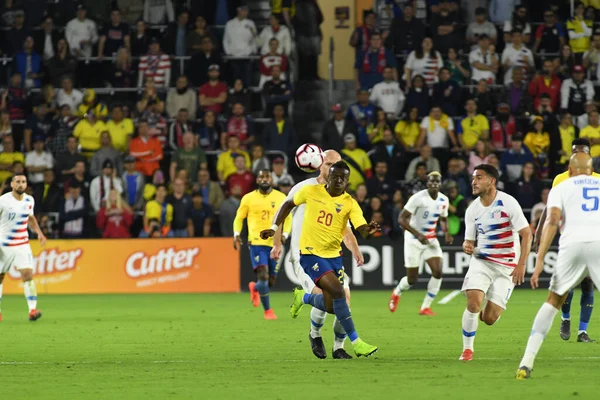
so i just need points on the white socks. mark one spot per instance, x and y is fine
(339, 335)
(317, 319)
(403, 285)
(30, 294)
(541, 326)
(433, 287)
(469, 328)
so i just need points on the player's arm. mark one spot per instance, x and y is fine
(404, 221)
(444, 226)
(33, 224)
(284, 211)
(548, 233)
(352, 245)
(538, 232)
(238, 223)
(469, 240)
(358, 220)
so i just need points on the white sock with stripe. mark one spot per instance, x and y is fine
(433, 288)
(541, 326)
(30, 294)
(403, 285)
(317, 319)
(470, 321)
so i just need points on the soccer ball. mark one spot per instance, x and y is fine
(309, 157)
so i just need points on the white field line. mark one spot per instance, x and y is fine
(448, 298)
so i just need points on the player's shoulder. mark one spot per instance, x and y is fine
(504, 199)
(28, 198)
(443, 198)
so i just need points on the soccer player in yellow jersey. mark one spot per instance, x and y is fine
(259, 207)
(328, 209)
(580, 145)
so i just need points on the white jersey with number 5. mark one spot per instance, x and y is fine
(426, 213)
(14, 217)
(578, 198)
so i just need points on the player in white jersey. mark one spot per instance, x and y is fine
(419, 220)
(493, 219)
(577, 202)
(16, 214)
(317, 317)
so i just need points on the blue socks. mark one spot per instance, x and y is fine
(566, 307)
(263, 289)
(315, 300)
(342, 312)
(587, 305)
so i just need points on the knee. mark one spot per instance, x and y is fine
(412, 277)
(473, 306)
(26, 275)
(436, 273)
(490, 319)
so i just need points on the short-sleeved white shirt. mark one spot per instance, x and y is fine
(14, 217)
(516, 59)
(439, 136)
(425, 213)
(478, 56)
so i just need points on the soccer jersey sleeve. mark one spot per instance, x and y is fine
(517, 218)
(444, 213)
(469, 224)
(240, 216)
(554, 199)
(412, 204)
(356, 215)
(301, 196)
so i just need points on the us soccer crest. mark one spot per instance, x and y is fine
(496, 214)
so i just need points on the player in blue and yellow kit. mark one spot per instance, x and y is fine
(328, 209)
(259, 206)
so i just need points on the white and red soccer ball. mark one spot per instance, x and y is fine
(309, 157)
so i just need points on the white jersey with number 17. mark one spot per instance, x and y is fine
(578, 198)
(14, 217)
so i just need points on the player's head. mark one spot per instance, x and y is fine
(580, 164)
(485, 178)
(330, 157)
(339, 174)
(19, 183)
(434, 181)
(580, 145)
(264, 180)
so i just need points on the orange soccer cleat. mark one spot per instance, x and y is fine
(394, 300)
(270, 314)
(254, 296)
(0, 316)
(34, 315)
(428, 312)
(467, 355)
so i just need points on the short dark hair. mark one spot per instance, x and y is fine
(581, 142)
(161, 185)
(260, 171)
(19, 174)
(489, 170)
(421, 164)
(340, 165)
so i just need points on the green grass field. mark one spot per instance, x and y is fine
(219, 347)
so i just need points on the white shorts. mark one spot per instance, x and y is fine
(415, 251)
(492, 279)
(307, 283)
(19, 257)
(574, 263)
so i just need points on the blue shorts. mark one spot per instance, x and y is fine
(261, 256)
(316, 267)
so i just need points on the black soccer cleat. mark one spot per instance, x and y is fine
(584, 338)
(318, 348)
(565, 329)
(340, 354)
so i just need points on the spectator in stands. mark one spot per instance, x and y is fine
(459, 71)
(47, 194)
(457, 172)
(516, 56)
(485, 99)
(518, 21)
(457, 207)
(241, 125)
(209, 133)
(361, 113)
(565, 62)
(69, 95)
(115, 218)
(37, 161)
(158, 178)
(48, 97)
(106, 152)
(479, 28)
(388, 95)
(276, 91)
(79, 176)
(122, 74)
(336, 128)
(549, 36)
(133, 184)
(158, 12)
(225, 161)
(502, 10)
(561, 139)
(16, 35)
(361, 36)
(517, 95)
(5, 125)
(29, 64)
(8, 157)
(227, 211)
(66, 160)
(370, 64)
(178, 128)
(406, 33)
(280, 173)
(443, 27)
(479, 155)
(381, 184)
(527, 189)
(446, 93)
(202, 215)
(158, 215)
(424, 156)
(361, 196)
(537, 141)
(375, 129)
(73, 213)
(358, 161)
(240, 41)
(37, 125)
(88, 131)
(114, 35)
(213, 94)
(211, 191)
(141, 40)
(201, 61)
(271, 59)
(591, 59)
(102, 184)
(592, 132)
(577, 95)
(156, 65)
(90, 103)
(484, 61)
(392, 153)
(15, 99)
(188, 157)
(275, 31)
(147, 150)
(259, 160)
(46, 39)
(238, 94)
(580, 31)
(121, 129)
(182, 225)
(61, 64)
(437, 130)
(17, 167)
(242, 176)
(174, 40)
(408, 129)
(424, 61)
(181, 96)
(194, 39)
(418, 183)
(375, 206)
(538, 209)
(8, 13)
(81, 33)
(548, 83)
(418, 97)
(279, 133)
(150, 98)
(472, 128)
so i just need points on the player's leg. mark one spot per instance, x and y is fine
(255, 260)
(30, 293)
(587, 305)
(433, 286)
(339, 334)
(412, 258)
(565, 325)
(262, 287)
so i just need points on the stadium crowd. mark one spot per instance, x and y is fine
(119, 140)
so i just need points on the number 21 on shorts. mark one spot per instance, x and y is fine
(590, 194)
